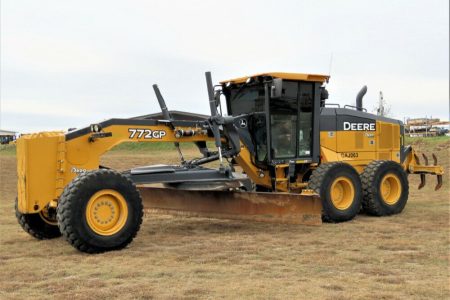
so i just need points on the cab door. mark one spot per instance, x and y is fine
(292, 121)
(305, 119)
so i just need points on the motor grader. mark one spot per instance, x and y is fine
(283, 155)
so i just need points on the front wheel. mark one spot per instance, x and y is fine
(100, 210)
(41, 225)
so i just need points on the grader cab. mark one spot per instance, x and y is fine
(284, 155)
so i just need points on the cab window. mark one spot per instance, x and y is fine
(283, 121)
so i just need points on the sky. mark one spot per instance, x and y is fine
(72, 63)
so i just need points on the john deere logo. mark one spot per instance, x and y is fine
(243, 123)
(359, 126)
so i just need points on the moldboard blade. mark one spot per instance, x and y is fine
(261, 207)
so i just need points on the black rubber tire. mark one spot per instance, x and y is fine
(261, 188)
(373, 203)
(321, 180)
(35, 226)
(71, 212)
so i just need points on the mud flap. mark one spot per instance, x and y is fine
(260, 207)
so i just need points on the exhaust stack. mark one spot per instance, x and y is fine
(359, 98)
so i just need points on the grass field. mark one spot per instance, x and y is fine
(400, 257)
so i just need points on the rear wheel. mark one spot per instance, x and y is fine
(41, 225)
(385, 188)
(100, 210)
(339, 187)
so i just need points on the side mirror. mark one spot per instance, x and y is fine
(276, 88)
(217, 98)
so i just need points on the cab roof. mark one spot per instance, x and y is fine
(287, 76)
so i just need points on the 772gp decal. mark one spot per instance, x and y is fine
(146, 133)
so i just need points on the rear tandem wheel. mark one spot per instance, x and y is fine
(385, 188)
(339, 187)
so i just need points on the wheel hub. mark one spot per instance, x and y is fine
(47, 217)
(342, 193)
(390, 189)
(106, 212)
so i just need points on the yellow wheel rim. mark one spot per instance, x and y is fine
(46, 218)
(106, 212)
(342, 193)
(391, 189)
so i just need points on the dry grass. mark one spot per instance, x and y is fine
(404, 256)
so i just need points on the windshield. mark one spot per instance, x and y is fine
(245, 100)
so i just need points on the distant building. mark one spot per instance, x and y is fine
(7, 136)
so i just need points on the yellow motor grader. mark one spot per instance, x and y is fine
(284, 155)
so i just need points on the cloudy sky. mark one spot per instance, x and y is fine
(71, 63)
